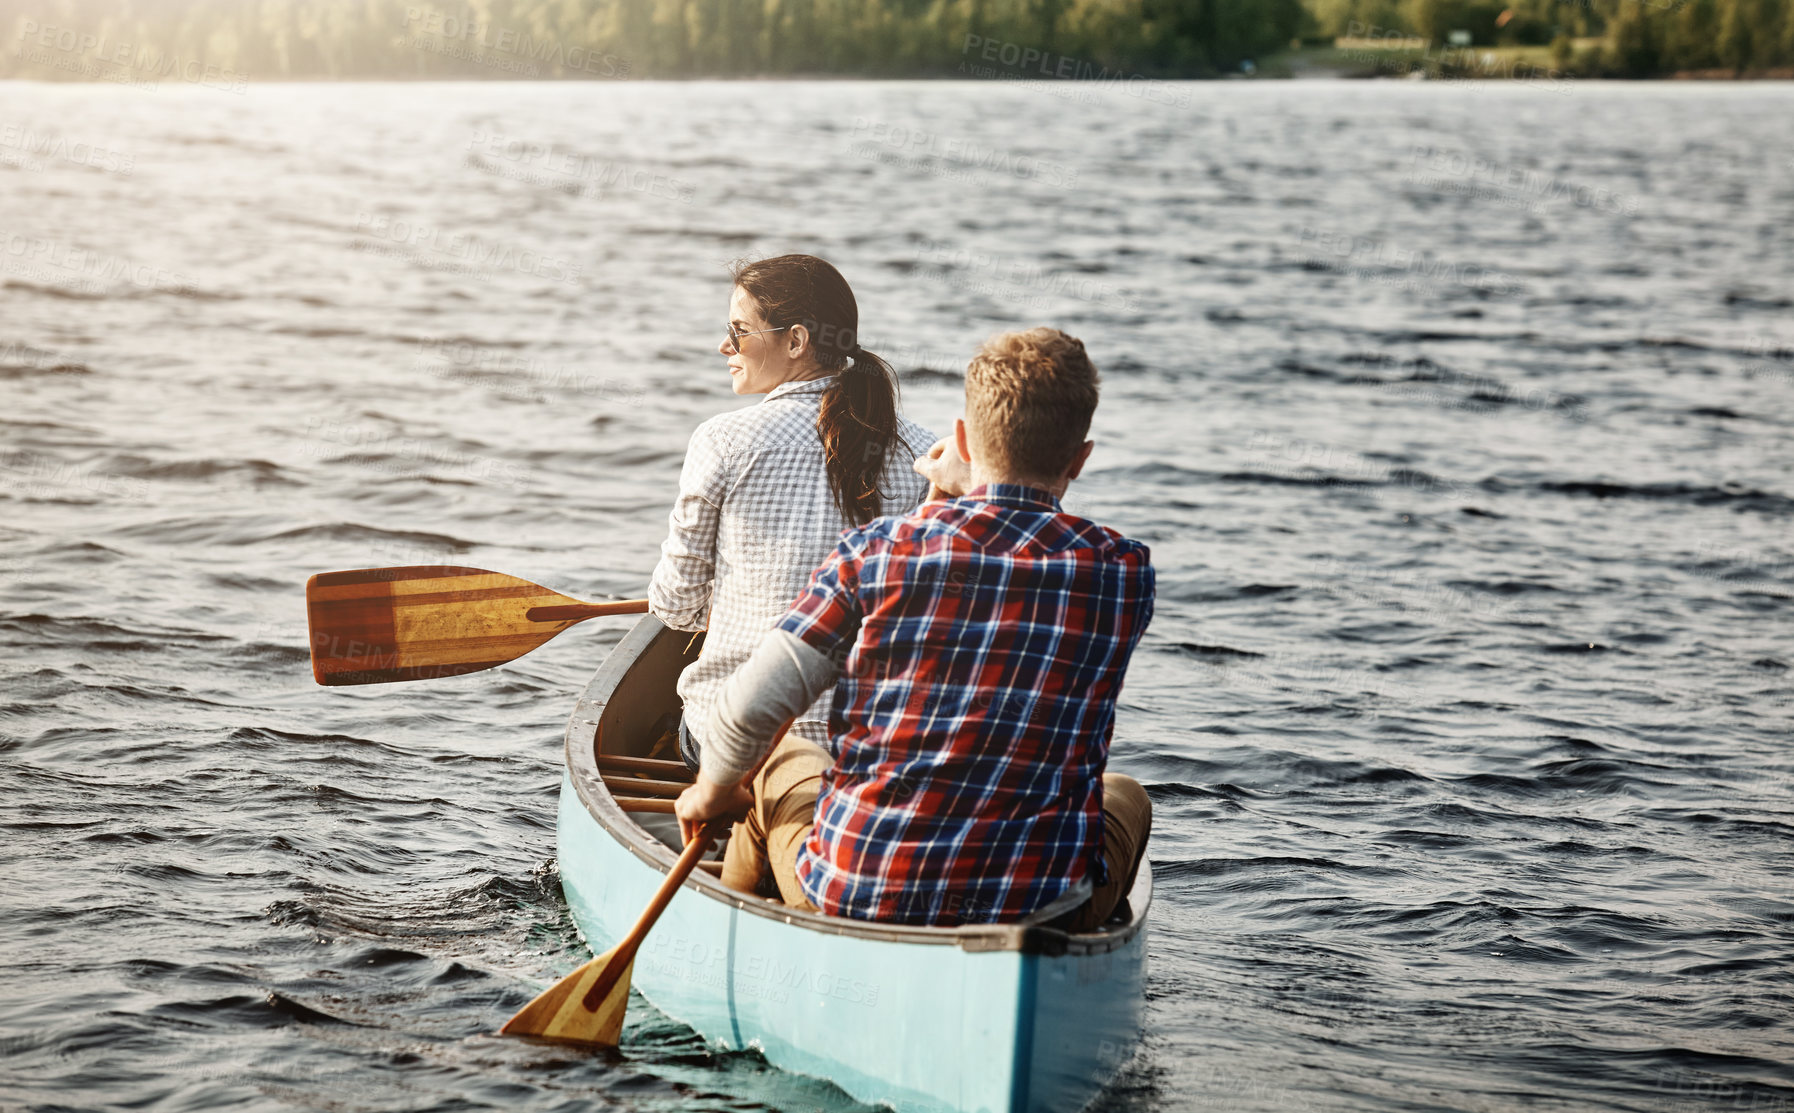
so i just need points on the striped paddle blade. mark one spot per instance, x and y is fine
(377, 625)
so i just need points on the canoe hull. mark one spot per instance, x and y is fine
(917, 1027)
(966, 1020)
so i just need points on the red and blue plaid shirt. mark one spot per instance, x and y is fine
(983, 642)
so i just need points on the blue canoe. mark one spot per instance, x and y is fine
(985, 1019)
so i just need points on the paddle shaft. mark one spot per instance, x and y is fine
(594, 1017)
(688, 860)
(625, 952)
(579, 612)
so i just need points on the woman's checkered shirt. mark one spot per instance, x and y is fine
(753, 519)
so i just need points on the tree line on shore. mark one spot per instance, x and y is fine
(1593, 38)
(231, 41)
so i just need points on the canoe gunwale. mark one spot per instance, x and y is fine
(582, 733)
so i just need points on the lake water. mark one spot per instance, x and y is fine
(1458, 419)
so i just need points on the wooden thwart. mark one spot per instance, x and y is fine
(617, 763)
(637, 786)
(420, 622)
(634, 792)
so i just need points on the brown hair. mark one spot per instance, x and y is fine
(858, 418)
(1031, 395)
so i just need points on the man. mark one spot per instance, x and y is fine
(977, 648)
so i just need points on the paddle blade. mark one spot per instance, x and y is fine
(377, 625)
(570, 1012)
(586, 1006)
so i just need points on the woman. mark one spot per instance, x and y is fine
(767, 490)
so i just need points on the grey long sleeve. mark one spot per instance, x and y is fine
(778, 681)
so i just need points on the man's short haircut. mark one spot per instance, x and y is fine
(1031, 394)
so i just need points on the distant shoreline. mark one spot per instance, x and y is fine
(1682, 76)
(1098, 44)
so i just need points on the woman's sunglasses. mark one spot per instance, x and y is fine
(736, 334)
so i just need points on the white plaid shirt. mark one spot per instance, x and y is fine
(754, 518)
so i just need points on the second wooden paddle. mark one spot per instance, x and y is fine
(377, 625)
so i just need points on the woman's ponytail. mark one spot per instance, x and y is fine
(858, 427)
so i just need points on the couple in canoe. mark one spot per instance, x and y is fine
(946, 641)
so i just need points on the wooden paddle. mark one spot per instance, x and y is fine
(376, 625)
(586, 1007)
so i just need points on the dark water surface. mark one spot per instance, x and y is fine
(1457, 417)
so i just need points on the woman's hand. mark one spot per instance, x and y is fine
(706, 800)
(950, 476)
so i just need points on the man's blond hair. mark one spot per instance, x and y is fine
(1030, 395)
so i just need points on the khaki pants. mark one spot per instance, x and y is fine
(762, 854)
(1127, 820)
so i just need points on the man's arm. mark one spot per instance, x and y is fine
(794, 664)
(777, 682)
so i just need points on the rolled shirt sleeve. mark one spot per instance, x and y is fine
(679, 592)
(772, 688)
